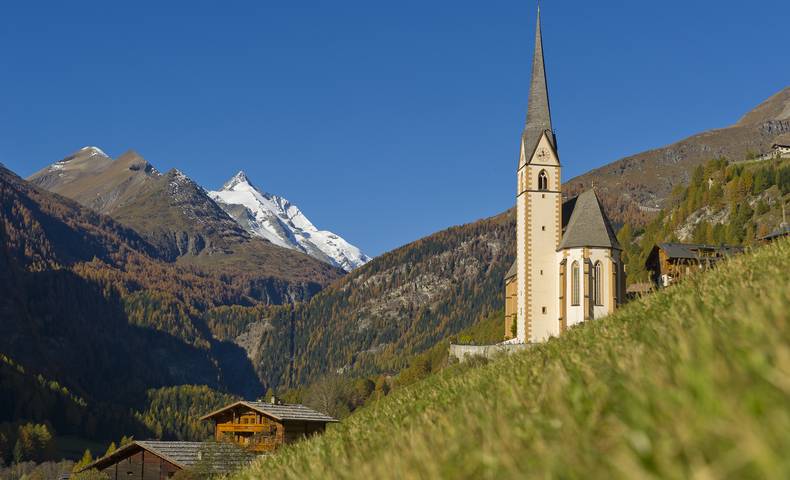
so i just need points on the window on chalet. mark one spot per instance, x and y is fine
(575, 283)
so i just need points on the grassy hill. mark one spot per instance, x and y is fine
(689, 382)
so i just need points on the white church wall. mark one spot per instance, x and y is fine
(545, 270)
(575, 313)
(602, 308)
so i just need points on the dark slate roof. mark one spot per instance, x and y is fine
(219, 457)
(290, 411)
(779, 232)
(588, 225)
(538, 111)
(691, 250)
(280, 411)
(511, 271)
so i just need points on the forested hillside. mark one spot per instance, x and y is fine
(690, 382)
(90, 320)
(397, 305)
(725, 202)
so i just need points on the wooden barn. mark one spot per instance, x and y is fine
(669, 262)
(156, 460)
(263, 426)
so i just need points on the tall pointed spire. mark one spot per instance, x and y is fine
(538, 111)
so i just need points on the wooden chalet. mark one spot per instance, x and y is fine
(669, 262)
(157, 460)
(263, 426)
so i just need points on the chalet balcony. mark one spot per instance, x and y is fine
(241, 427)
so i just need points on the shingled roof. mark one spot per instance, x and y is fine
(280, 411)
(588, 225)
(538, 110)
(692, 250)
(219, 457)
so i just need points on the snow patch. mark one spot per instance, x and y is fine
(94, 151)
(276, 219)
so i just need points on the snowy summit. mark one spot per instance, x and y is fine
(276, 219)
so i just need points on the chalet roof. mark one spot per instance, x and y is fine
(780, 145)
(692, 250)
(779, 232)
(588, 225)
(281, 411)
(219, 457)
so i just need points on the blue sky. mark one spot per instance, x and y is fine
(383, 121)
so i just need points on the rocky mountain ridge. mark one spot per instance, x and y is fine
(279, 221)
(175, 215)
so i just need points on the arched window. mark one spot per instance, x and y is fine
(575, 283)
(543, 180)
(597, 276)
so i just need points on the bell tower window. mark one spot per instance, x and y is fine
(543, 180)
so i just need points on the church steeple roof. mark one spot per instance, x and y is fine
(538, 111)
(589, 226)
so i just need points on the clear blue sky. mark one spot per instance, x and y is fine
(383, 121)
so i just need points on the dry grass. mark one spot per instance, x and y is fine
(692, 382)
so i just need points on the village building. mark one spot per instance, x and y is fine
(568, 267)
(781, 232)
(157, 460)
(264, 426)
(669, 262)
(780, 150)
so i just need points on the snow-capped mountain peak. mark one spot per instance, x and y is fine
(90, 150)
(276, 219)
(237, 179)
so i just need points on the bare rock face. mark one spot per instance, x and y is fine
(632, 187)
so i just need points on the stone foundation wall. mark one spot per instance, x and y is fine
(464, 352)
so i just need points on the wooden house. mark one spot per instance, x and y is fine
(156, 460)
(263, 426)
(781, 232)
(669, 262)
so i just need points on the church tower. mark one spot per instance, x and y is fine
(538, 211)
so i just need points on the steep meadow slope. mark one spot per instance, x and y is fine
(691, 382)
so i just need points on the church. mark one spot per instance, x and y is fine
(568, 266)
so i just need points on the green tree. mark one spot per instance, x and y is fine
(86, 460)
(111, 449)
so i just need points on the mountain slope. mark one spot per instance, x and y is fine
(279, 221)
(639, 184)
(176, 216)
(86, 303)
(93, 179)
(398, 304)
(691, 382)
